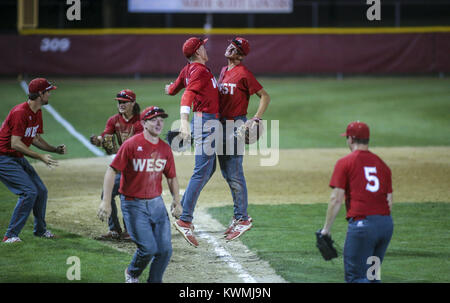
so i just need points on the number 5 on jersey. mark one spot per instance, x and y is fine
(373, 184)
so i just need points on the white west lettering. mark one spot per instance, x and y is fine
(214, 82)
(228, 88)
(139, 164)
(160, 164)
(34, 131)
(28, 132)
(150, 165)
(232, 86)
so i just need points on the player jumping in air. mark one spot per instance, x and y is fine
(236, 85)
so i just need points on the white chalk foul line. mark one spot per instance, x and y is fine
(67, 125)
(222, 253)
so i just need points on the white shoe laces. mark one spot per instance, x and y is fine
(238, 227)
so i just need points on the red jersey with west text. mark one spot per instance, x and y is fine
(22, 122)
(236, 87)
(366, 180)
(122, 128)
(201, 86)
(142, 164)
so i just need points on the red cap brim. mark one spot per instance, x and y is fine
(123, 99)
(344, 135)
(164, 115)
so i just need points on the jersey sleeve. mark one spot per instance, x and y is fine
(339, 177)
(169, 169)
(198, 78)
(121, 159)
(196, 82)
(187, 98)
(179, 83)
(251, 83)
(110, 127)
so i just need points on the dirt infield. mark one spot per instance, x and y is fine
(301, 176)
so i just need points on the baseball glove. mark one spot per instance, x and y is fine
(251, 131)
(325, 245)
(176, 143)
(109, 144)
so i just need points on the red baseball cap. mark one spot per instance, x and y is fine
(126, 95)
(242, 45)
(40, 85)
(191, 45)
(357, 130)
(152, 112)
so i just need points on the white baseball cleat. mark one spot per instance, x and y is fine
(48, 235)
(239, 229)
(187, 230)
(11, 240)
(233, 224)
(129, 278)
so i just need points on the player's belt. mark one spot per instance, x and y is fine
(128, 198)
(358, 218)
(206, 115)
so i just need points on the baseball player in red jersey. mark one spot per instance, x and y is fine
(125, 124)
(142, 160)
(22, 127)
(236, 85)
(365, 182)
(201, 92)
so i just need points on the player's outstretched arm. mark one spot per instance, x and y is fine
(174, 87)
(17, 144)
(40, 143)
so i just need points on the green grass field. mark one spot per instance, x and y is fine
(417, 253)
(44, 260)
(312, 113)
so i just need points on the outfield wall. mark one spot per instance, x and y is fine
(286, 51)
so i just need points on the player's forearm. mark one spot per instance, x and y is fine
(263, 103)
(40, 143)
(174, 87)
(18, 145)
(108, 184)
(184, 121)
(334, 206)
(184, 117)
(174, 188)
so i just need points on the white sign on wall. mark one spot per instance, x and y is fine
(210, 6)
